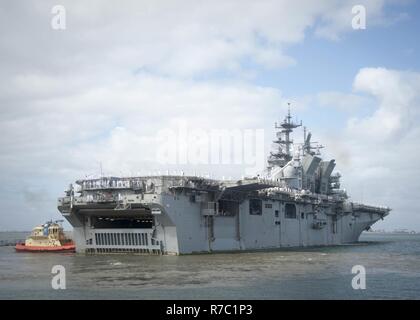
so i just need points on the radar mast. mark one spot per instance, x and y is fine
(282, 155)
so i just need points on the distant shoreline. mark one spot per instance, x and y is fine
(391, 232)
(28, 231)
(364, 232)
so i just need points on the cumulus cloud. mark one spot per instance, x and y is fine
(101, 90)
(337, 20)
(347, 102)
(382, 147)
(181, 38)
(398, 95)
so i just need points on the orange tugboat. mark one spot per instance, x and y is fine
(48, 237)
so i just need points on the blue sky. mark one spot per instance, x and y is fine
(101, 90)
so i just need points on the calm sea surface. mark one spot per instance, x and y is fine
(392, 265)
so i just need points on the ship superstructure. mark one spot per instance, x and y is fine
(296, 202)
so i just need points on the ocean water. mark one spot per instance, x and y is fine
(391, 261)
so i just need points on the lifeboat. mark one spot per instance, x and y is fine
(48, 237)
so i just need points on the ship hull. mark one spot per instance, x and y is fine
(65, 248)
(179, 225)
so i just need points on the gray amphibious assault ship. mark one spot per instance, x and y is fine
(296, 202)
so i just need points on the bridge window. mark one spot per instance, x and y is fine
(228, 208)
(121, 222)
(290, 211)
(255, 206)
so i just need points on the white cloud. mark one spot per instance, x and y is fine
(379, 152)
(182, 38)
(398, 96)
(272, 58)
(347, 102)
(100, 90)
(338, 18)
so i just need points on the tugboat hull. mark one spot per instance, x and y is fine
(21, 247)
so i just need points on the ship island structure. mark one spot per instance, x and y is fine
(296, 202)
